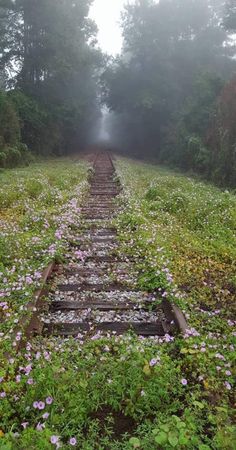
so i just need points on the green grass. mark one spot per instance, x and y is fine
(186, 226)
(33, 204)
(171, 393)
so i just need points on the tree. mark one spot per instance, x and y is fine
(221, 137)
(164, 87)
(50, 46)
(230, 19)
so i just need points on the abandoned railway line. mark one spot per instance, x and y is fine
(98, 346)
(98, 291)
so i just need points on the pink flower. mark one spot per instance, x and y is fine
(41, 405)
(28, 280)
(37, 356)
(58, 234)
(73, 441)
(184, 382)
(49, 400)
(54, 439)
(40, 426)
(28, 369)
(227, 385)
(153, 362)
(30, 381)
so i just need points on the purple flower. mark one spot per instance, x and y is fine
(153, 362)
(3, 394)
(227, 385)
(219, 356)
(168, 338)
(54, 439)
(45, 416)
(41, 405)
(36, 405)
(25, 425)
(40, 426)
(28, 280)
(30, 381)
(28, 369)
(228, 373)
(18, 378)
(49, 400)
(38, 354)
(184, 382)
(73, 441)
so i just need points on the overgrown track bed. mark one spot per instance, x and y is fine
(95, 389)
(95, 290)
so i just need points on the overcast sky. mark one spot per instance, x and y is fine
(106, 14)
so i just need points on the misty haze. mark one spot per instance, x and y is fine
(117, 224)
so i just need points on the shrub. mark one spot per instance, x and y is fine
(9, 122)
(3, 159)
(13, 156)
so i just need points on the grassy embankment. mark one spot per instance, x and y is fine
(176, 393)
(36, 205)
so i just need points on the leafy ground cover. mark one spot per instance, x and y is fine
(121, 393)
(183, 231)
(37, 204)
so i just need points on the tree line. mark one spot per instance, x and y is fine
(173, 88)
(172, 91)
(49, 71)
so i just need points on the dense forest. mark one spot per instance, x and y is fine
(173, 88)
(49, 68)
(171, 93)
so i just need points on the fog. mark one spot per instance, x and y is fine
(156, 82)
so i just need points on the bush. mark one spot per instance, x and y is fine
(40, 130)
(9, 122)
(26, 155)
(13, 157)
(3, 159)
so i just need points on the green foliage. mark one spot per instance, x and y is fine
(167, 82)
(177, 433)
(50, 45)
(12, 151)
(9, 122)
(122, 392)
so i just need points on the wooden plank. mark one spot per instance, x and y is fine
(94, 287)
(102, 306)
(73, 329)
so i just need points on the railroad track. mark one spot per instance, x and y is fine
(97, 292)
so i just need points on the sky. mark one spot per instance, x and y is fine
(106, 14)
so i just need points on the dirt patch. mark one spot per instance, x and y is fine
(116, 421)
